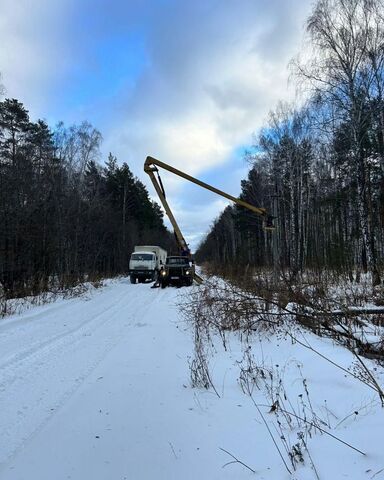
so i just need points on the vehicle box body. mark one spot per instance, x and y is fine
(146, 261)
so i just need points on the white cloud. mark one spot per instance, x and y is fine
(213, 71)
(35, 52)
(190, 218)
(212, 78)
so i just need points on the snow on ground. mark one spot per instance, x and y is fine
(99, 388)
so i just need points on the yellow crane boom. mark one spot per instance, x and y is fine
(151, 168)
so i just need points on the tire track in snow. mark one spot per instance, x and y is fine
(38, 350)
(35, 377)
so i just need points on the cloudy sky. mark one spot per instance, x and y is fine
(187, 82)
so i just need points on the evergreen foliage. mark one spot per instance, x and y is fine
(64, 217)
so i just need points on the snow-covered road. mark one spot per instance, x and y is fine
(82, 395)
(98, 388)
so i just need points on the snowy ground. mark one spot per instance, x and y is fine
(98, 388)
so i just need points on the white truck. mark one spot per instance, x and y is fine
(146, 262)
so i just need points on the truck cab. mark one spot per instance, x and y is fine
(178, 270)
(142, 266)
(146, 262)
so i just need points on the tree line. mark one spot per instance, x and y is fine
(318, 165)
(64, 217)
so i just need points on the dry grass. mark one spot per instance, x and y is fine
(249, 304)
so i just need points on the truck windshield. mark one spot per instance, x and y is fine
(142, 256)
(177, 261)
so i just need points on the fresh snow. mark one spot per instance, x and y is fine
(99, 388)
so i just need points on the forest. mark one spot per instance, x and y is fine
(317, 165)
(64, 217)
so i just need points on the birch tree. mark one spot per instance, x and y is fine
(340, 73)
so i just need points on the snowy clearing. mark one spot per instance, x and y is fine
(99, 387)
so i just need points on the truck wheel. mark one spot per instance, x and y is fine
(132, 278)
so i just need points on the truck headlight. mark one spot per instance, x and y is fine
(187, 272)
(163, 273)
